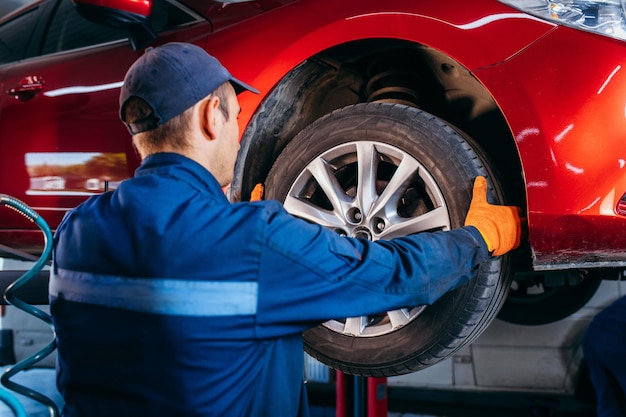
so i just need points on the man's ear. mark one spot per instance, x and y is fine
(209, 117)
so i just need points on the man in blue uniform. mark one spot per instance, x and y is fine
(170, 301)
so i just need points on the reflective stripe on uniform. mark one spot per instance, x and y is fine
(156, 295)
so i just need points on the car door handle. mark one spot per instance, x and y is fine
(29, 87)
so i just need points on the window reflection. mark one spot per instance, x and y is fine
(74, 173)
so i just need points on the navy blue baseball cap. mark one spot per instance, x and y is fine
(172, 78)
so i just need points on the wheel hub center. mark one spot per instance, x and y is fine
(362, 233)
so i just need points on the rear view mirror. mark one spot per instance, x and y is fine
(130, 15)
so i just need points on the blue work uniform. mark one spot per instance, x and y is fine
(604, 348)
(168, 300)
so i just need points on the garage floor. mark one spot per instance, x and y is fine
(402, 403)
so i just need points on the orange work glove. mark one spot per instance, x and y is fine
(257, 192)
(500, 226)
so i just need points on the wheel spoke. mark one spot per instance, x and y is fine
(437, 219)
(304, 209)
(367, 158)
(398, 318)
(328, 183)
(406, 171)
(355, 325)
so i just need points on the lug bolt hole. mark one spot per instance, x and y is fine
(379, 225)
(355, 216)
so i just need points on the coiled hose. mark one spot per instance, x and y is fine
(11, 298)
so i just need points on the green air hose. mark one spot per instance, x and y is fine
(10, 297)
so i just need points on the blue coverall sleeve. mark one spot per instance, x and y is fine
(308, 273)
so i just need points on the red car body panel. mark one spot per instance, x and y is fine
(566, 117)
(570, 134)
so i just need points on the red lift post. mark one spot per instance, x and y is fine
(359, 396)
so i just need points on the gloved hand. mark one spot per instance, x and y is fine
(257, 192)
(500, 226)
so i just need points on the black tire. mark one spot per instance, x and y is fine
(532, 301)
(444, 166)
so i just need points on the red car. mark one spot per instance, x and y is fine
(373, 119)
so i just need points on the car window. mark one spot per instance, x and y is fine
(15, 35)
(68, 30)
(8, 6)
(166, 16)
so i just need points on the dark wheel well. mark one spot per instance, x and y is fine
(376, 70)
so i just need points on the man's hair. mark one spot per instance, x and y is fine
(173, 133)
(221, 93)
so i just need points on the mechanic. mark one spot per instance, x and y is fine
(168, 300)
(604, 349)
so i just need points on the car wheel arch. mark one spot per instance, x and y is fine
(334, 79)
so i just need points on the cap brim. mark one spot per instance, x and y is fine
(240, 86)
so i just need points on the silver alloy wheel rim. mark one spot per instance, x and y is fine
(398, 197)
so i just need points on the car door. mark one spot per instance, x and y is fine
(61, 139)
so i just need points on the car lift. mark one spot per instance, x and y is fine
(358, 396)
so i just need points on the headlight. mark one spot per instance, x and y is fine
(603, 17)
